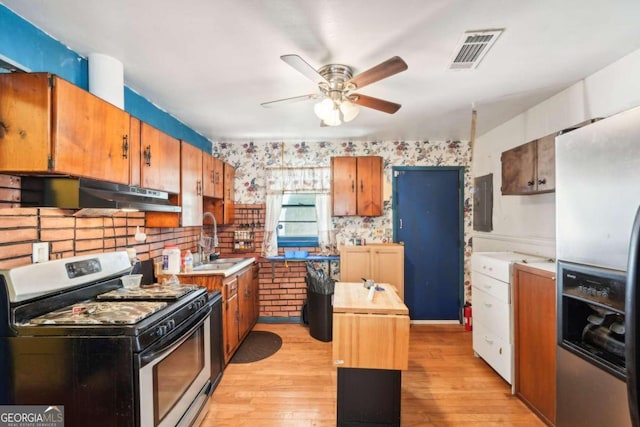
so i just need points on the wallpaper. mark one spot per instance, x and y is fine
(251, 159)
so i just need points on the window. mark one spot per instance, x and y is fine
(297, 225)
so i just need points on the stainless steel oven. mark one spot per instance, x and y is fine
(71, 335)
(174, 377)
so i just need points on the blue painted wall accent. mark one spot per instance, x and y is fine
(140, 107)
(30, 48)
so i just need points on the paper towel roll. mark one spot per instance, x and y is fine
(106, 78)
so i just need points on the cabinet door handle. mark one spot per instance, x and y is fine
(125, 146)
(147, 155)
(199, 188)
(489, 341)
(487, 286)
(400, 223)
(542, 181)
(530, 183)
(488, 305)
(353, 186)
(361, 187)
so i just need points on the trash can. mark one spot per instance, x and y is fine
(319, 307)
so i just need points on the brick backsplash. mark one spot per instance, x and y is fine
(282, 288)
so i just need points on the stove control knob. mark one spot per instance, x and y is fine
(171, 324)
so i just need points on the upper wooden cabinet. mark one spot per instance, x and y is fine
(212, 176)
(191, 185)
(224, 209)
(135, 163)
(530, 168)
(190, 195)
(356, 185)
(48, 125)
(160, 156)
(228, 214)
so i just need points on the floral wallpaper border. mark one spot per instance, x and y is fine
(251, 159)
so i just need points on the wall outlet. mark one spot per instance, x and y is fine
(379, 232)
(40, 252)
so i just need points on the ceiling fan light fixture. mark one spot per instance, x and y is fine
(328, 112)
(333, 118)
(349, 110)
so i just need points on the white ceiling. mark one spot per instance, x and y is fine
(210, 63)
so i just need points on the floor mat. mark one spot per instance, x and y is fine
(257, 346)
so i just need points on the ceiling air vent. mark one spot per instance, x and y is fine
(473, 46)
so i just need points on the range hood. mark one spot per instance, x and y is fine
(99, 196)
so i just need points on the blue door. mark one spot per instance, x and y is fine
(428, 210)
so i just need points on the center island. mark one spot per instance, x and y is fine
(370, 350)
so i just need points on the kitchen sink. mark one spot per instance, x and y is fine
(214, 266)
(227, 260)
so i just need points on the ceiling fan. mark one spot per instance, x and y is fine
(337, 84)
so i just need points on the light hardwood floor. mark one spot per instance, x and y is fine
(296, 387)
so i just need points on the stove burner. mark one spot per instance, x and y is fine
(158, 292)
(96, 313)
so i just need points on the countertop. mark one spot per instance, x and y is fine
(351, 297)
(279, 258)
(542, 265)
(226, 273)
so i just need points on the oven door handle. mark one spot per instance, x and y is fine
(183, 331)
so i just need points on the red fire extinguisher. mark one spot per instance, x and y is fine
(468, 320)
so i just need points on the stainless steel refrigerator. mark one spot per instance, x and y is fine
(597, 200)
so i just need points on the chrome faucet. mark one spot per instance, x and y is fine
(205, 242)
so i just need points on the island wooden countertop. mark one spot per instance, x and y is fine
(351, 297)
(369, 334)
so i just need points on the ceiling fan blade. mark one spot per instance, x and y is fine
(375, 103)
(291, 100)
(302, 66)
(381, 71)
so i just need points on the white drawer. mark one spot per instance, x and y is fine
(496, 352)
(491, 286)
(493, 313)
(492, 267)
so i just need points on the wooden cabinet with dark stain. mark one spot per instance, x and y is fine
(529, 168)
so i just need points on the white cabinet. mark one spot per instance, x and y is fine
(492, 310)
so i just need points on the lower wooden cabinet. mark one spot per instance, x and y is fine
(240, 304)
(248, 306)
(230, 317)
(534, 297)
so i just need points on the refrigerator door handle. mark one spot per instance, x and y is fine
(631, 320)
